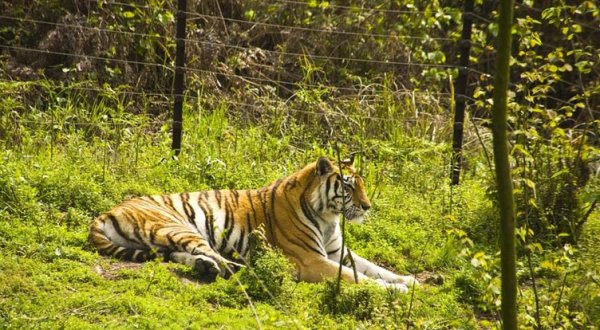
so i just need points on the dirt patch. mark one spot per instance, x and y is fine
(186, 276)
(111, 272)
(430, 278)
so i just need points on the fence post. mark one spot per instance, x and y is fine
(460, 91)
(178, 84)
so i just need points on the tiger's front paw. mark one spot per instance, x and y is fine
(210, 268)
(392, 286)
(407, 280)
(206, 266)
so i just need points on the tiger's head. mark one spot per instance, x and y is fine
(335, 194)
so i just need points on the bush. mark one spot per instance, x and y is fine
(363, 301)
(17, 195)
(269, 275)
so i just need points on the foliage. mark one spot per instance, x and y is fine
(551, 117)
(269, 275)
(79, 135)
(363, 302)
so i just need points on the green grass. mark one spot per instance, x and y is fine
(55, 180)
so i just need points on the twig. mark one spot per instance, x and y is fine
(485, 151)
(562, 290)
(343, 225)
(538, 319)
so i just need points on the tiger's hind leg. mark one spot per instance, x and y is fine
(117, 235)
(103, 238)
(190, 248)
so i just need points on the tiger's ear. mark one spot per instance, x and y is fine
(348, 161)
(324, 166)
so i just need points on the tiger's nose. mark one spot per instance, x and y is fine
(366, 207)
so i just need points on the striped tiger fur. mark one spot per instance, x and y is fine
(209, 230)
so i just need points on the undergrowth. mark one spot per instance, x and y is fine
(61, 168)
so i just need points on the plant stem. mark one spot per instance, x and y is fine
(343, 224)
(503, 174)
(538, 320)
(560, 295)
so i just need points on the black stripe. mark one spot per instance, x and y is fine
(153, 231)
(170, 238)
(169, 204)
(178, 241)
(240, 243)
(306, 245)
(121, 253)
(152, 200)
(298, 241)
(188, 209)
(272, 217)
(307, 235)
(110, 250)
(185, 244)
(250, 227)
(236, 197)
(136, 228)
(167, 201)
(116, 225)
(308, 213)
(218, 197)
(229, 214)
(208, 218)
(349, 186)
(312, 233)
(291, 184)
(211, 233)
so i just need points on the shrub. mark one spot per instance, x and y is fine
(363, 301)
(268, 276)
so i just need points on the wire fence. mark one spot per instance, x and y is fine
(361, 93)
(295, 55)
(287, 84)
(368, 95)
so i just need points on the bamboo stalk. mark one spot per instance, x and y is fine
(503, 174)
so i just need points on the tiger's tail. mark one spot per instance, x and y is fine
(99, 238)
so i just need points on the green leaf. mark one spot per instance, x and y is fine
(128, 14)
(530, 184)
(250, 14)
(559, 173)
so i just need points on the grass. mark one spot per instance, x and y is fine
(55, 179)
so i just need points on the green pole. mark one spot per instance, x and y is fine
(503, 175)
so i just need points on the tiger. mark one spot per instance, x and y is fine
(209, 230)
